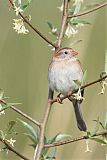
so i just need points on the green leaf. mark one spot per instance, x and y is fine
(8, 105)
(10, 127)
(105, 125)
(32, 138)
(2, 134)
(52, 155)
(26, 4)
(50, 25)
(77, 21)
(33, 134)
(99, 140)
(61, 137)
(100, 123)
(97, 126)
(50, 141)
(84, 78)
(58, 137)
(1, 93)
(2, 107)
(77, 82)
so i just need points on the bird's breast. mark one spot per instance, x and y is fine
(62, 74)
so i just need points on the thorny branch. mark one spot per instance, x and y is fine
(13, 150)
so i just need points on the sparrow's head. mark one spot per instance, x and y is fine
(65, 53)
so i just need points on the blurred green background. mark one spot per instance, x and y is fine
(24, 64)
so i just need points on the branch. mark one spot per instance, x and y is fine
(33, 28)
(74, 140)
(22, 113)
(12, 150)
(40, 147)
(84, 86)
(90, 11)
(37, 155)
(64, 22)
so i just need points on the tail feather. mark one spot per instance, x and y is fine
(79, 118)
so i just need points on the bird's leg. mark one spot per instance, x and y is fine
(59, 98)
(50, 94)
(78, 95)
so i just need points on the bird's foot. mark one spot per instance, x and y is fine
(78, 95)
(59, 98)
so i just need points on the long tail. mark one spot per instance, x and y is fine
(80, 121)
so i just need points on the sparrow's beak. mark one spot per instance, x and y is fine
(73, 53)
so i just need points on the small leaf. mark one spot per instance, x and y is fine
(97, 126)
(2, 134)
(76, 21)
(99, 140)
(50, 25)
(77, 82)
(100, 123)
(84, 77)
(52, 155)
(32, 133)
(50, 141)
(32, 138)
(2, 107)
(26, 4)
(105, 125)
(61, 137)
(1, 94)
(10, 127)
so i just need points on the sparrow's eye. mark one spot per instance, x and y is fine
(66, 52)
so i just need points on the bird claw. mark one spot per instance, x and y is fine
(59, 99)
(78, 95)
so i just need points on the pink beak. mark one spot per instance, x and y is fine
(73, 53)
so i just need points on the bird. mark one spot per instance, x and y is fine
(64, 69)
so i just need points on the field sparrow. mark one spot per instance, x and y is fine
(64, 69)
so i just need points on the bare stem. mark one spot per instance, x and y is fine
(33, 28)
(64, 22)
(40, 147)
(22, 113)
(89, 11)
(13, 150)
(74, 140)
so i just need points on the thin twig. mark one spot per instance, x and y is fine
(39, 149)
(33, 28)
(13, 150)
(84, 86)
(74, 140)
(64, 22)
(22, 113)
(90, 11)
